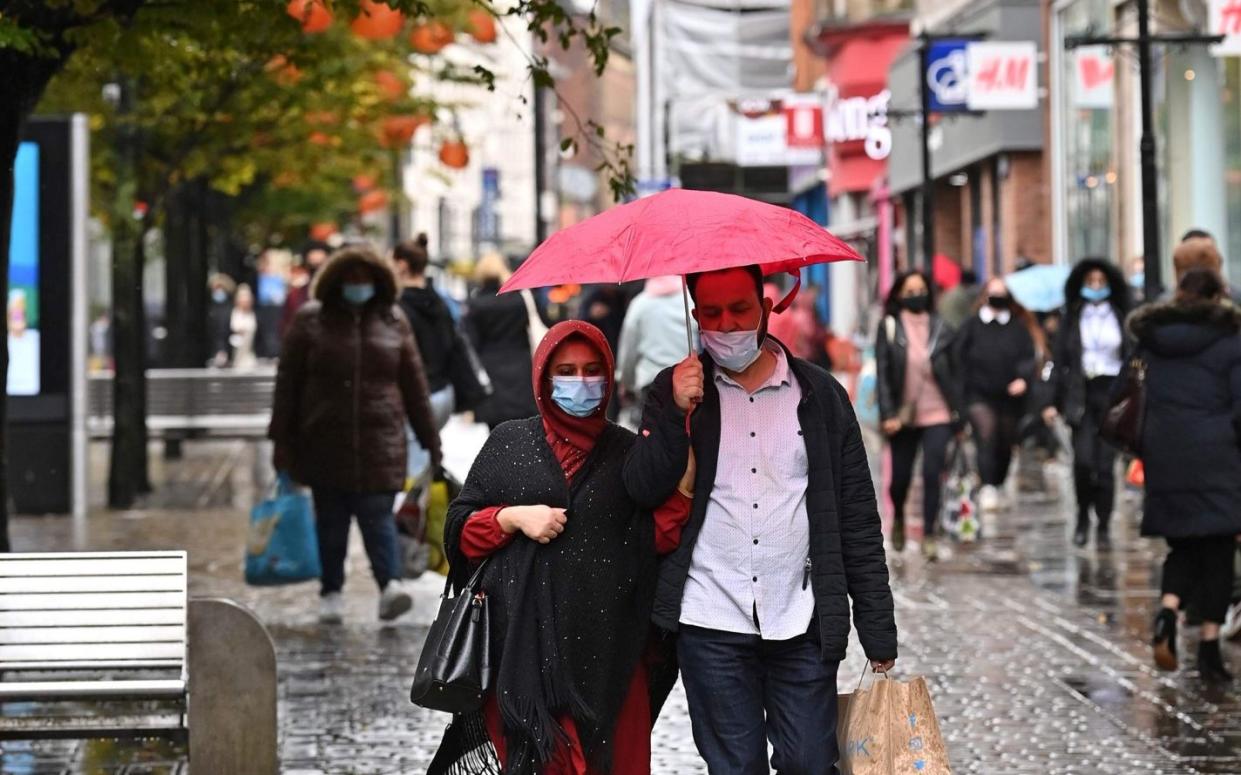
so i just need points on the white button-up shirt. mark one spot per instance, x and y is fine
(1101, 341)
(751, 558)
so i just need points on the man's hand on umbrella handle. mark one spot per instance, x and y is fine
(687, 383)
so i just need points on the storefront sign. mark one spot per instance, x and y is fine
(850, 119)
(1226, 20)
(1093, 73)
(1002, 76)
(946, 75)
(762, 138)
(803, 121)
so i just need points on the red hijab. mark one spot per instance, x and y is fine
(571, 438)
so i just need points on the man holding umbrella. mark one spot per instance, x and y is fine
(783, 531)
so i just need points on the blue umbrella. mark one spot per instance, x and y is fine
(1039, 288)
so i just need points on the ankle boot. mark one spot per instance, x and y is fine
(1103, 537)
(1211, 663)
(898, 535)
(1082, 534)
(1164, 640)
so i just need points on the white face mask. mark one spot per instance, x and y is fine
(733, 350)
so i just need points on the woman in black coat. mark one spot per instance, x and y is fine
(917, 398)
(1192, 453)
(498, 327)
(997, 353)
(1088, 356)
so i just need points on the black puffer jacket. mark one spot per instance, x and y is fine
(499, 329)
(1068, 380)
(846, 545)
(891, 355)
(1190, 445)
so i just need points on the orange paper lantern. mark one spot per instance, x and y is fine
(313, 14)
(322, 231)
(321, 138)
(391, 86)
(455, 154)
(431, 37)
(397, 131)
(481, 26)
(377, 21)
(363, 183)
(372, 201)
(284, 71)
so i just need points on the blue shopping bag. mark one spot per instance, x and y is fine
(282, 547)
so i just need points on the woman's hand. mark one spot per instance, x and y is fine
(538, 523)
(882, 666)
(1017, 388)
(891, 427)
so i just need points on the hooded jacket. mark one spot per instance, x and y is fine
(1068, 380)
(348, 379)
(1190, 444)
(498, 326)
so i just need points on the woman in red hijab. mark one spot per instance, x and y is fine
(577, 683)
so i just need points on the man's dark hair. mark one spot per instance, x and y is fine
(1199, 285)
(755, 272)
(413, 253)
(1197, 233)
(892, 305)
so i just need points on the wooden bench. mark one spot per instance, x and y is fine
(104, 645)
(193, 402)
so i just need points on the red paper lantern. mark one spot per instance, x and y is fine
(377, 21)
(390, 85)
(313, 14)
(455, 154)
(397, 131)
(322, 231)
(372, 201)
(481, 26)
(363, 183)
(431, 37)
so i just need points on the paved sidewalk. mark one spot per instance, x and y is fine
(1035, 653)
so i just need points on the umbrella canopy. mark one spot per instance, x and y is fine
(945, 272)
(1039, 288)
(679, 232)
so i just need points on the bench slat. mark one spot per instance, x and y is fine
(62, 602)
(63, 690)
(98, 664)
(106, 566)
(43, 556)
(77, 728)
(67, 635)
(90, 652)
(49, 584)
(108, 617)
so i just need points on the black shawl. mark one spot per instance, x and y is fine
(570, 618)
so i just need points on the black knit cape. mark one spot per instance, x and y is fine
(570, 619)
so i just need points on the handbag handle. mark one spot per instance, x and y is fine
(475, 577)
(862, 677)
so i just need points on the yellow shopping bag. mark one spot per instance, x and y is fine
(890, 728)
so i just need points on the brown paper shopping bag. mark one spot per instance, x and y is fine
(890, 729)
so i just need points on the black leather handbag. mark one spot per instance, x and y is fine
(1123, 423)
(454, 669)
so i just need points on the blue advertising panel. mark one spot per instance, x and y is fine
(22, 310)
(946, 76)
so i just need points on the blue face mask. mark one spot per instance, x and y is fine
(734, 350)
(579, 396)
(1138, 280)
(1096, 294)
(357, 294)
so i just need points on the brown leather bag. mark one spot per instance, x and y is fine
(1123, 422)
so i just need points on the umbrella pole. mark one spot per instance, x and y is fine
(689, 331)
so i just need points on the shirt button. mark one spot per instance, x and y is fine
(753, 434)
(756, 505)
(756, 578)
(754, 470)
(756, 542)
(751, 399)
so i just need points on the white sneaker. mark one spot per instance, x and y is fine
(331, 608)
(394, 601)
(989, 499)
(1232, 622)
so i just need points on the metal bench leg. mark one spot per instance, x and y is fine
(232, 693)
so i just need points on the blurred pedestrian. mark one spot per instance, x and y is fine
(653, 335)
(570, 579)
(997, 355)
(219, 317)
(916, 386)
(498, 327)
(798, 327)
(446, 361)
(957, 304)
(784, 529)
(1199, 251)
(1191, 450)
(242, 326)
(1088, 357)
(314, 255)
(271, 292)
(349, 379)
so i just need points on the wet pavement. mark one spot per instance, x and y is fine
(1035, 652)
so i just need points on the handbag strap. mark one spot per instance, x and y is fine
(470, 585)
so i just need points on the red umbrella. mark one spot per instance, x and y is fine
(680, 232)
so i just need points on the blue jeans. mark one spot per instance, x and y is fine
(333, 511)
(744, 691)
